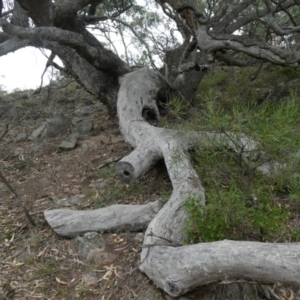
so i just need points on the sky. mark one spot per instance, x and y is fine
(23, 69)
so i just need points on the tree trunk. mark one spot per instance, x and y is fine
(173, 267)
(96, 82)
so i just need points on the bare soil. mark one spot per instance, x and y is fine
(35, 263)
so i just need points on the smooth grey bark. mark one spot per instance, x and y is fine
(178, 270)
(12, 44)
(71, 223)
(173, 267)
(98, 70)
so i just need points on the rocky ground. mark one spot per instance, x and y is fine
(58, 149)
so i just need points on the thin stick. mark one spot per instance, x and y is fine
(17, 198)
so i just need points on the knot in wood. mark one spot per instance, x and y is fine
(173, 289)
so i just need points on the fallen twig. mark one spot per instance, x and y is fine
(17, 198)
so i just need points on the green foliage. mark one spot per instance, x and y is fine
(242, 203)
(214, 79)
(288, 73)
(176, 107)
(146, 31)
(27, 104)
(165, 195)
(232, 84)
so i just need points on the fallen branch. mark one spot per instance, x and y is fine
(70, 223)
(175, 268)
(187, 267)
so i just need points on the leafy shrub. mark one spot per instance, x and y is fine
(242, 203)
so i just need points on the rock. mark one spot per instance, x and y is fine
(40, 121)
(83, 150)
(37, 132)
(102, 258)
(20, 137)
(83, 127)
(36, 147)
(88, 244)
(56, 125)
(77, 199)
(102, 184)
(52, 127)
(84, 111)
(139, 237)
(89, 279)
(69, 143)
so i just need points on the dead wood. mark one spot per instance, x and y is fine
(175, 268)
(70, 223)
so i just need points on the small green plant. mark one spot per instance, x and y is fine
(214, 79)
(242, 203)
(35, 238)
(21, 164)
(49, 267)
(293, 188)
(165, 195)
(107, 171)
(27, 104)
(176, 107)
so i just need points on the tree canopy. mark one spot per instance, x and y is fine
(236, 32)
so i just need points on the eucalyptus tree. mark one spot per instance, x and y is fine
(240, 33)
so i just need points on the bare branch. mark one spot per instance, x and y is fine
(100, 57)
(271, 22)
(221, 11)
(233, 14)
(257, 15)
(13, 44)
(232, 61)
(139, 38)
(4, 37)
(6, 13)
